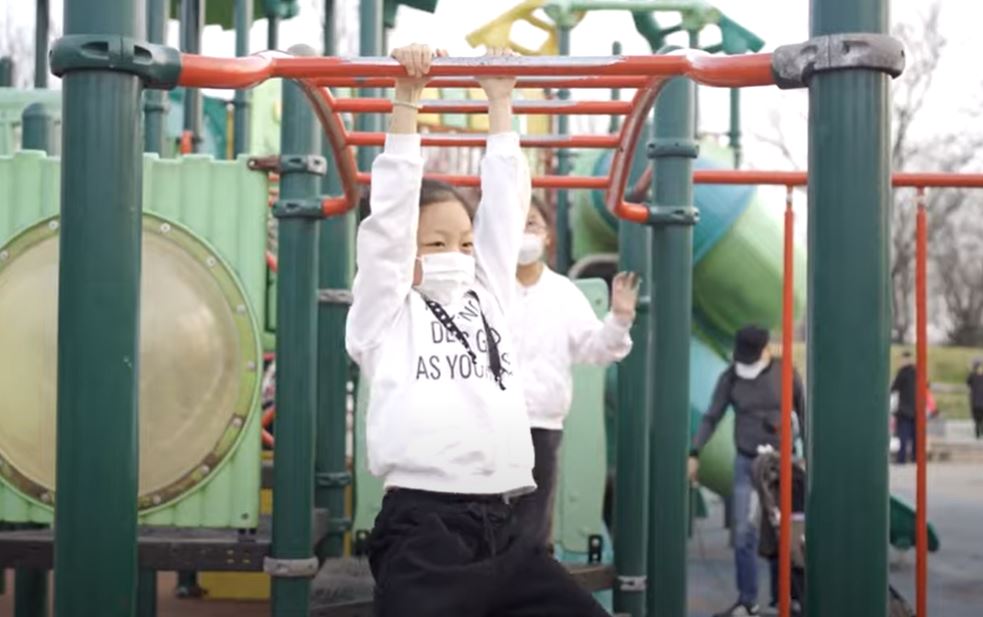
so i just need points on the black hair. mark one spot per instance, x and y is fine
(540, 206)
(431, 192)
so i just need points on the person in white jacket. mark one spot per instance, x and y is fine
(447, 428)
(556, 328)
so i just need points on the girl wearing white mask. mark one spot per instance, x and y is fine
(447, 428)
(556, 328)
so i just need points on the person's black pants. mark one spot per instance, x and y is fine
(905, 427)
(978, 421)
(443, 555)
(534, 512)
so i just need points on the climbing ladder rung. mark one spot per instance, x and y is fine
(582, 82)
(545, 182)
(555, 107)
(465, 140)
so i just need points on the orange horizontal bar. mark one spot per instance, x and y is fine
(478, 140)
(560, 107)
(546, 182)
(799, 178)
(582, 81)
(724, 71)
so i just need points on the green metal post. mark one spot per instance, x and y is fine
(735, 126)
(563, 235)
(631, 463)
(672, 152)
(36, 128)
(296, 393)
(615, 121)
(155, 101)
(147, 593)
(98, 325)
(369, 44)
(192, 23)
(30, 593)
(849, 342)
(272, 31)
(244, 20)
(41, 44)
(335, 270)
(6, 72)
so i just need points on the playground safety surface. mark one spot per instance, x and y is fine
(955, 504)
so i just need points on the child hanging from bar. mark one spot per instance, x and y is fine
(447, 425)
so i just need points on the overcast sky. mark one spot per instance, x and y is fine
(776, 21)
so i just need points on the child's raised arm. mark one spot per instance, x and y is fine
(505, 193)
(386, 245)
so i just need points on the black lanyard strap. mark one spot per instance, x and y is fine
(494, 358)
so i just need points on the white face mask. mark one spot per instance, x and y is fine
(531, 250)
(446, 276)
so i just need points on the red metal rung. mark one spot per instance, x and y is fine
(532, 83)
(478, 141)
(559, 107)
(546, 182)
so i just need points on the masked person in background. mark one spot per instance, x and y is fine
(556, 328)
(752, 386)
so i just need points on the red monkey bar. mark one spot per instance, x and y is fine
(644, 73)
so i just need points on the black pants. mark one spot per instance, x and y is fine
(442, 555)
(978, 421)
(534, 512)
(905, 428)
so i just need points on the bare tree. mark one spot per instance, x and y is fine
(946, 152)
(958, 261)
(17, 43)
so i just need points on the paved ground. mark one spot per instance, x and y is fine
(955, 572)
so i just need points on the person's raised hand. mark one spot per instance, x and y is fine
(416, 60)
(693, 469)
(498, 88)
(624, 295)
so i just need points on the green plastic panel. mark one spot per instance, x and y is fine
(223, 203)
(583, 456)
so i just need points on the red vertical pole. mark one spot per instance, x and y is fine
(921, 368)
(785, 473)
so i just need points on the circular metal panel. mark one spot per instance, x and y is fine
(198, 362)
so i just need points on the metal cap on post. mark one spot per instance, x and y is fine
(36, 124)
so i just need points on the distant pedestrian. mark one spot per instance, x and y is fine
(975, 383)
(904, 388)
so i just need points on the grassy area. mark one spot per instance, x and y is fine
(947, 370)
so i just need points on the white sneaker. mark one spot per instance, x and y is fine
(740, 610)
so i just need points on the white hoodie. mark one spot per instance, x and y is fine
(435, 421)
(556, 328)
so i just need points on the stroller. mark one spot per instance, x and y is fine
(766, 482)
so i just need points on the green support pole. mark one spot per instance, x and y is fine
(30, 593)
(244, 20)
(672, 152)
(147, 593)
(563, 235)
(41, 44)
(614, 123)
(631, 463)
(192, 23)
(734, 134)
(299, 213)
(155, 101)
(272, 31)
(335, 270)
(36, 128)
(369, 44)
(6, 72)
(849, 342)
(95, 555)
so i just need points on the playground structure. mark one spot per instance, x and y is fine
(301, 203)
